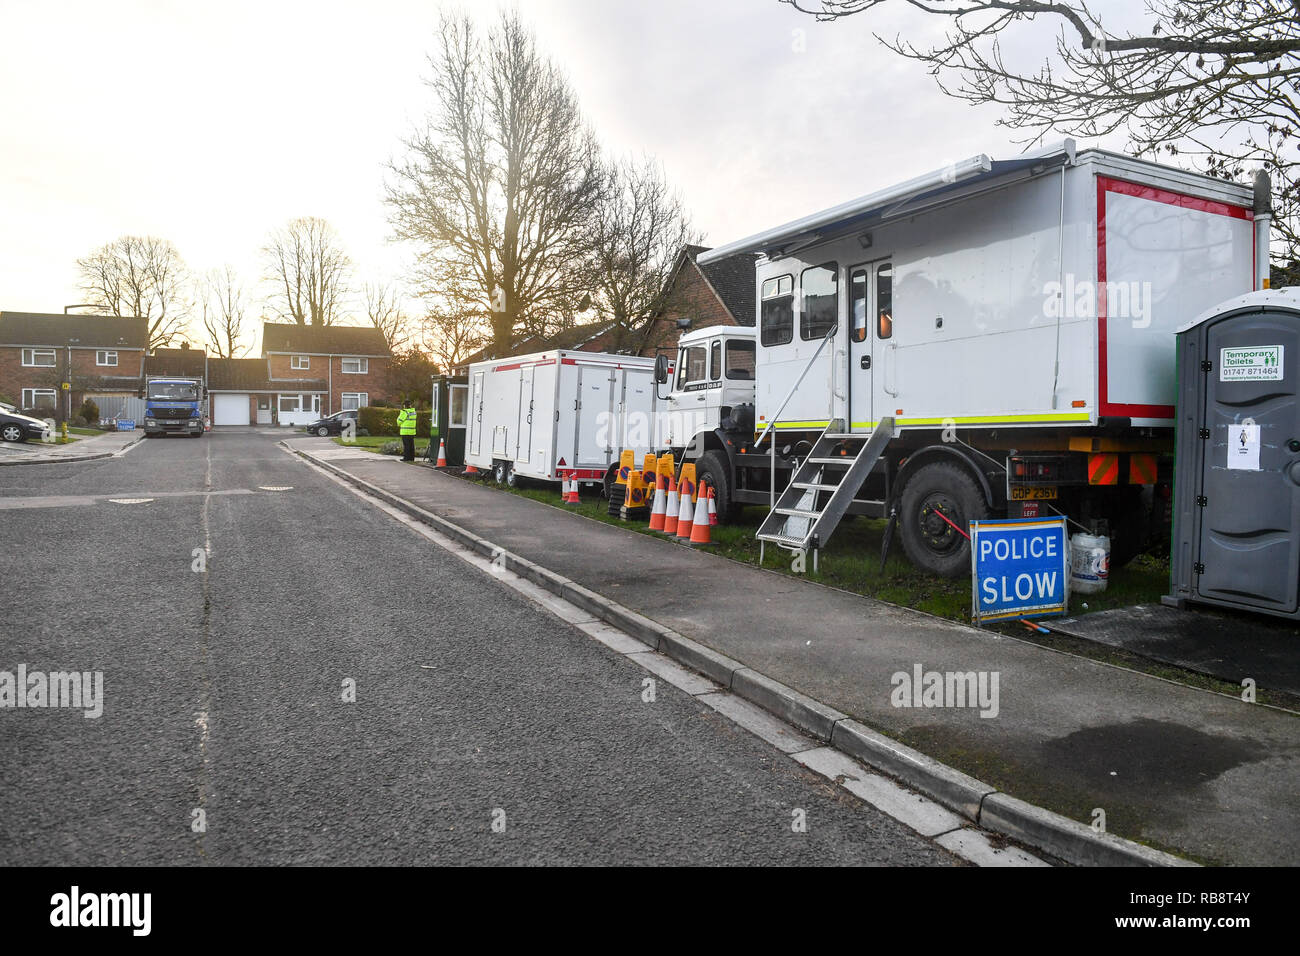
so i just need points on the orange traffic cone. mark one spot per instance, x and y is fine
(575, 496)
(442, 453)
(671, 508)
(700, 526)
(564, 488)
(660, 509)
(713, 507)
(471, 470)
(686, 518)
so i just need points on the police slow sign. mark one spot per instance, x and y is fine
(1020, 568)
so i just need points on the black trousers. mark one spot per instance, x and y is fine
(408, 448)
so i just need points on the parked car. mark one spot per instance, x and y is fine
(332, 424)
(15, 426)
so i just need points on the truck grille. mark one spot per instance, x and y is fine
(171, 413)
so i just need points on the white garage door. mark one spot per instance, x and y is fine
(230, 409)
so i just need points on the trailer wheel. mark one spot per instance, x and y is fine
(931, 543)
(501, 472)
(712, 469)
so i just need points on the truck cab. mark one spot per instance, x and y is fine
(712, 384)
(173, 407)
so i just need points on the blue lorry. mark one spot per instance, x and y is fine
(173, 406)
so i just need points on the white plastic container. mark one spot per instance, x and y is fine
(1089, 563)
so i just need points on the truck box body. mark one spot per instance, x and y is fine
(1036, 292)
(551, 413)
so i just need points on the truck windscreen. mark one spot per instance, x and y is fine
(172, 392)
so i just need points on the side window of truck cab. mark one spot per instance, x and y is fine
(691, 365)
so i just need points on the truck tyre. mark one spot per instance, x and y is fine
(930, 542)
(712, 469)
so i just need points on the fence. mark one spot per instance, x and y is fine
(120, 407)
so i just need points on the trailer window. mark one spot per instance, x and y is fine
(777, 317)
(715, 360)
(884, 301)
(740, 359)
(858, 304)
(820, 289)
(691, 366)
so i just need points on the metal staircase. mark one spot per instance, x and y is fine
(823, 487)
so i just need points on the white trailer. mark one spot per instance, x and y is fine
(991, 337)
(546, 415)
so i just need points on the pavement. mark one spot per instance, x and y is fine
(1231, 647)
(1199, 774)
(85, 448)
(226, 737)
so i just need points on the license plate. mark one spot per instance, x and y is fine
(1027, 493)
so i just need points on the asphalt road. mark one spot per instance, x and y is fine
(223, 693)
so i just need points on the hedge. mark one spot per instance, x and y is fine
(383, 421)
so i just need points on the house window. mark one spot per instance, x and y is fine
(290, 403)
(39, 358)
(354, 400)
(820, 289)
(356, 366)
(105, 358)
(300, 361)
(776, 318)
(40, 398)
(459, 401)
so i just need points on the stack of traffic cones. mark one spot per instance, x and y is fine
(634, 506)
(700, 534)
(619, 490)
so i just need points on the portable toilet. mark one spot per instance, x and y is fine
(1236, 527)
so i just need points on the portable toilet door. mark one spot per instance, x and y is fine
(1237, 519)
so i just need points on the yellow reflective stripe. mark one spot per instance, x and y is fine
(781, 425)
(996, 419)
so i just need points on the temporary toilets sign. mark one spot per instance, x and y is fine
(1259, 363)
(1020, 567)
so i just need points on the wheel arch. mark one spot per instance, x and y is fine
(915, 461)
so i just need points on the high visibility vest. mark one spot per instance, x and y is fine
(406, 422)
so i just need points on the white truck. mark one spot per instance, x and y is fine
(989, 338)
(546, 415)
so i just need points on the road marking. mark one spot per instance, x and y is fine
(911, 809)
(276, 487)
(130, 501)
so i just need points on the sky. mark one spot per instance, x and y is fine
(211, 124)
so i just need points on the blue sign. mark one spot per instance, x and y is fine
(126, 424)
(1020, 567)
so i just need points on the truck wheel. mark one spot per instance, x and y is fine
(931, 543)
(712, 469)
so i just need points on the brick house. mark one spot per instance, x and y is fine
(242, 392)
(720, 293)
(97, 356)
(350, 361)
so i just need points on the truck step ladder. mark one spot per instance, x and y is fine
(823, 487)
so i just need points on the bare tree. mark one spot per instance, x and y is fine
(385, 312)
(1212, 79)
(639, 230)
(223, 305)
(140, 276)
(452, 333)
(499, 185)
(309, 272)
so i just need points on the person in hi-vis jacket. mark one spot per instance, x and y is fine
(406, 428)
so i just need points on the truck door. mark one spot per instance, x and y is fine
(476, 410)
(597, 418)
(524, 431)
(1249, 550)
(871, 313)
